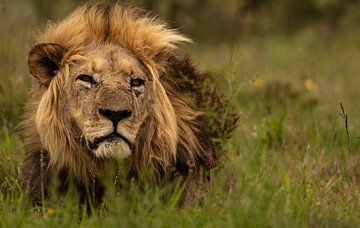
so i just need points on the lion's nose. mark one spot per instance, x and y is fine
(115, 116)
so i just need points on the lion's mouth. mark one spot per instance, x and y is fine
(112, 138)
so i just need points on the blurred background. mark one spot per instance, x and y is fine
(229, 20)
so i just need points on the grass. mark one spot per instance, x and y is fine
(289, 162)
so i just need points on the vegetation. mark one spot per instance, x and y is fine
(294, 159)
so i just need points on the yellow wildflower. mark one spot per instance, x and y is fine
(50, 211)
(258, 83)
(309, 84)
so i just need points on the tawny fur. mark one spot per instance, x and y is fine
(174, 140)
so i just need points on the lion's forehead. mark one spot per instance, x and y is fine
(109, 59)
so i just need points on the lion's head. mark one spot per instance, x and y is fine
(111, 83)
(103, 97)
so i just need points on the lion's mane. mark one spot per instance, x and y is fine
(177, 139)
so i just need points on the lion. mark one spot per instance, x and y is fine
(110, 84)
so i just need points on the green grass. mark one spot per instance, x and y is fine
(288, 163)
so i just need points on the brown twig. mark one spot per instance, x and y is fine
(345, 118)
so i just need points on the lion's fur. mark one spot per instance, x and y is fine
(177, 137)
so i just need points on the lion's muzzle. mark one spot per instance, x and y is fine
(112, 138)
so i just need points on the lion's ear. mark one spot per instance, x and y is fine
(44, 61)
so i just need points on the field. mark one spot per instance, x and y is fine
(293, 160)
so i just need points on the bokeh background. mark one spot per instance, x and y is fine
(285, 65)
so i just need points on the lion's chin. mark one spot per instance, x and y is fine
(118, 150)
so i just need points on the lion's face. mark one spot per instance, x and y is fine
(104, 96)
(107, 97)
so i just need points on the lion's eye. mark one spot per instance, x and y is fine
(86, 78)
(136, 82)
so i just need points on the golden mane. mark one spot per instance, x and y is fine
(176, 136)
(146, 36)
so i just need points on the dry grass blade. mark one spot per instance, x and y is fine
(346, 123)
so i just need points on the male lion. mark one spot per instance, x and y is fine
(112, 84)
